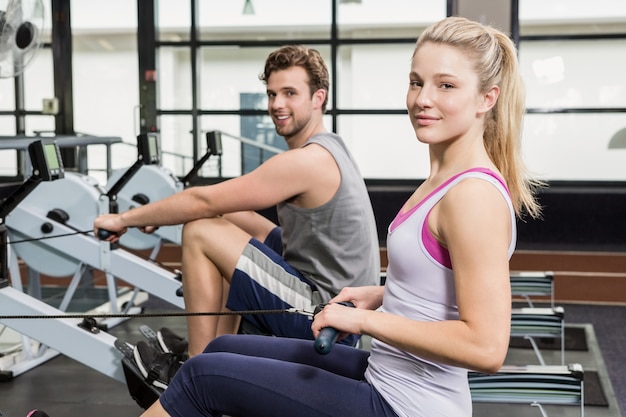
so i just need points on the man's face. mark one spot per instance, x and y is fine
(290, 103)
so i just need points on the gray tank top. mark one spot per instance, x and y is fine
(334, 245)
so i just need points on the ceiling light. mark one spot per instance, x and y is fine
(248, 8)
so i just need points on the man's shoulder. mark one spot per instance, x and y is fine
(330, 141)
(325, 136)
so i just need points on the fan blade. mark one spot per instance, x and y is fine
(21, 22)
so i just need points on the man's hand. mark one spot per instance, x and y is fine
(111, 223)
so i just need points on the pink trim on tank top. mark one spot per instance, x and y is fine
(433, 247)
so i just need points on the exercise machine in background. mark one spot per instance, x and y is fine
(68, 207)
(55, 335)
(46, 225)
(152, 182)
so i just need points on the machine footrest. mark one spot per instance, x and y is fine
(144, 393)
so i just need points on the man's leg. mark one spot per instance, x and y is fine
(264, 280)
(211, 249)
(252, 223)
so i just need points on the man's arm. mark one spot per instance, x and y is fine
(306, 176)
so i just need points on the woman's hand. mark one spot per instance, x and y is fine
(346, 320)
(367, 298)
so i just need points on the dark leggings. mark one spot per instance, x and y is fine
(258, 376)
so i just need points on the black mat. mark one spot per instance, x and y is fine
(594, 393)
(575, 339)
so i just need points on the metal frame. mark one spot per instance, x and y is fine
(528, 284)
(526, 385)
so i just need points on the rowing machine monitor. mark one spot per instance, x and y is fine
(148, 153)
(213, 147)
(214, 142)
(46, 160)
(148, 148)
(47, 166)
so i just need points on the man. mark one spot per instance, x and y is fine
(234, 258)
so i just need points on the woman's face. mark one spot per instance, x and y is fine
(443, 98)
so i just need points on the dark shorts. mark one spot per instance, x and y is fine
(263, 280)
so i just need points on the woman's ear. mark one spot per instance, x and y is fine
(490, 98)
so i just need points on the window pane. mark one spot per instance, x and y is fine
(109, 16)
(39, 124)
(105, 78)
(567, 17)
(177, 143)
(7, 94)
(385, 146)
(38, 80)
(174, 78)
(173, 20)
(264, 19)
(247, 142)
(9, 166)
(557, 73)
(229, 73)
(574, 146)
(46, 34)
(105, 85)
(230, 126)
(373, 76)
(7, 125)
(387, 18)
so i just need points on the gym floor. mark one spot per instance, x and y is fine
(65, 388)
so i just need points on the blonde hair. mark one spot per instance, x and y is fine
(495, 61)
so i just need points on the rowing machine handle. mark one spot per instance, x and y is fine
(103, 234)
(328, 336)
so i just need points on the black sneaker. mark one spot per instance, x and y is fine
(158, 368)
(171, 342)
(165, 340)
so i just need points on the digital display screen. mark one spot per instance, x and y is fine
(52, 157)
(46, 160)
(153, 146)
(148, 148)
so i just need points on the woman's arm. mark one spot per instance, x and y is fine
(474, 223)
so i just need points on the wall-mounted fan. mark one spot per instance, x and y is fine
(21, 24)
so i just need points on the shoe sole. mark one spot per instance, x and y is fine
(161, 343)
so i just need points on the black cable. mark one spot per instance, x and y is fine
(90, 233)
(143, 315)
(86, 232)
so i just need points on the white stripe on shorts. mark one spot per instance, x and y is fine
(273, 277)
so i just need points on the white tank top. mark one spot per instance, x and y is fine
(420, 286)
